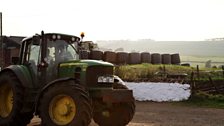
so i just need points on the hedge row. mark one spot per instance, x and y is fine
(131, 58)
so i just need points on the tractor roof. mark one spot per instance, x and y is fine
(57, 36)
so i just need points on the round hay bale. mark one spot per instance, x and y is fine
(156, 58)
(175, 59)
(145, 57)
(109, 56)
(134, 58)
(122, 57)
(84, 54)
(96, 55)
(166, 58)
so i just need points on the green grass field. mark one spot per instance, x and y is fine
(149, 72)
(200, 60)
(140, 72)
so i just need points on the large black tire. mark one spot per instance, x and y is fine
(78, 105)
(119, 114)
(12, 116)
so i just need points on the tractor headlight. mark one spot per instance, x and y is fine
(105, 79)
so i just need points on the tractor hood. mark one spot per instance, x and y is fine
(86, 63)
(82, 68)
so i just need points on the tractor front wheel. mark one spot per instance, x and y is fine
(65, 104)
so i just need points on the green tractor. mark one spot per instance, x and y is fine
(49, 80)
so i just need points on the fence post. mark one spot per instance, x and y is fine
(164, 72)
(198, 74)
(192, 83)
(164, 69)
(213, 84)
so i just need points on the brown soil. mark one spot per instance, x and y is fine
(169, 114)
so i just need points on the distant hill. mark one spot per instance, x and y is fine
(193, 48)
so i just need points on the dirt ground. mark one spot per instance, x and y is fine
(168, 114)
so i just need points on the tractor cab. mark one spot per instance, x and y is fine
(43, 53)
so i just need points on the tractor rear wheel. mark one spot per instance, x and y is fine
(119, 114)
(11, 101)
(65, 104)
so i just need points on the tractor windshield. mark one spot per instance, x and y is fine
(61, 50)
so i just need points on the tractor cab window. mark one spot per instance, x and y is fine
(31, 55)
(34, 54)
(34, 57)
(60, 51)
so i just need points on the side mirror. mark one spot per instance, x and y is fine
(15, 60)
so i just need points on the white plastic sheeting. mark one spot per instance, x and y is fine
(148, 91)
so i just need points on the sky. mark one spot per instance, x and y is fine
(160, 20)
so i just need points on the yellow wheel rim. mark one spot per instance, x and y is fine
(62, 109)
(6, 100)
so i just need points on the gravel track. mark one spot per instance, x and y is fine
(169, 114)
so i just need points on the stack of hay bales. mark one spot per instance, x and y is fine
(121, 58)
